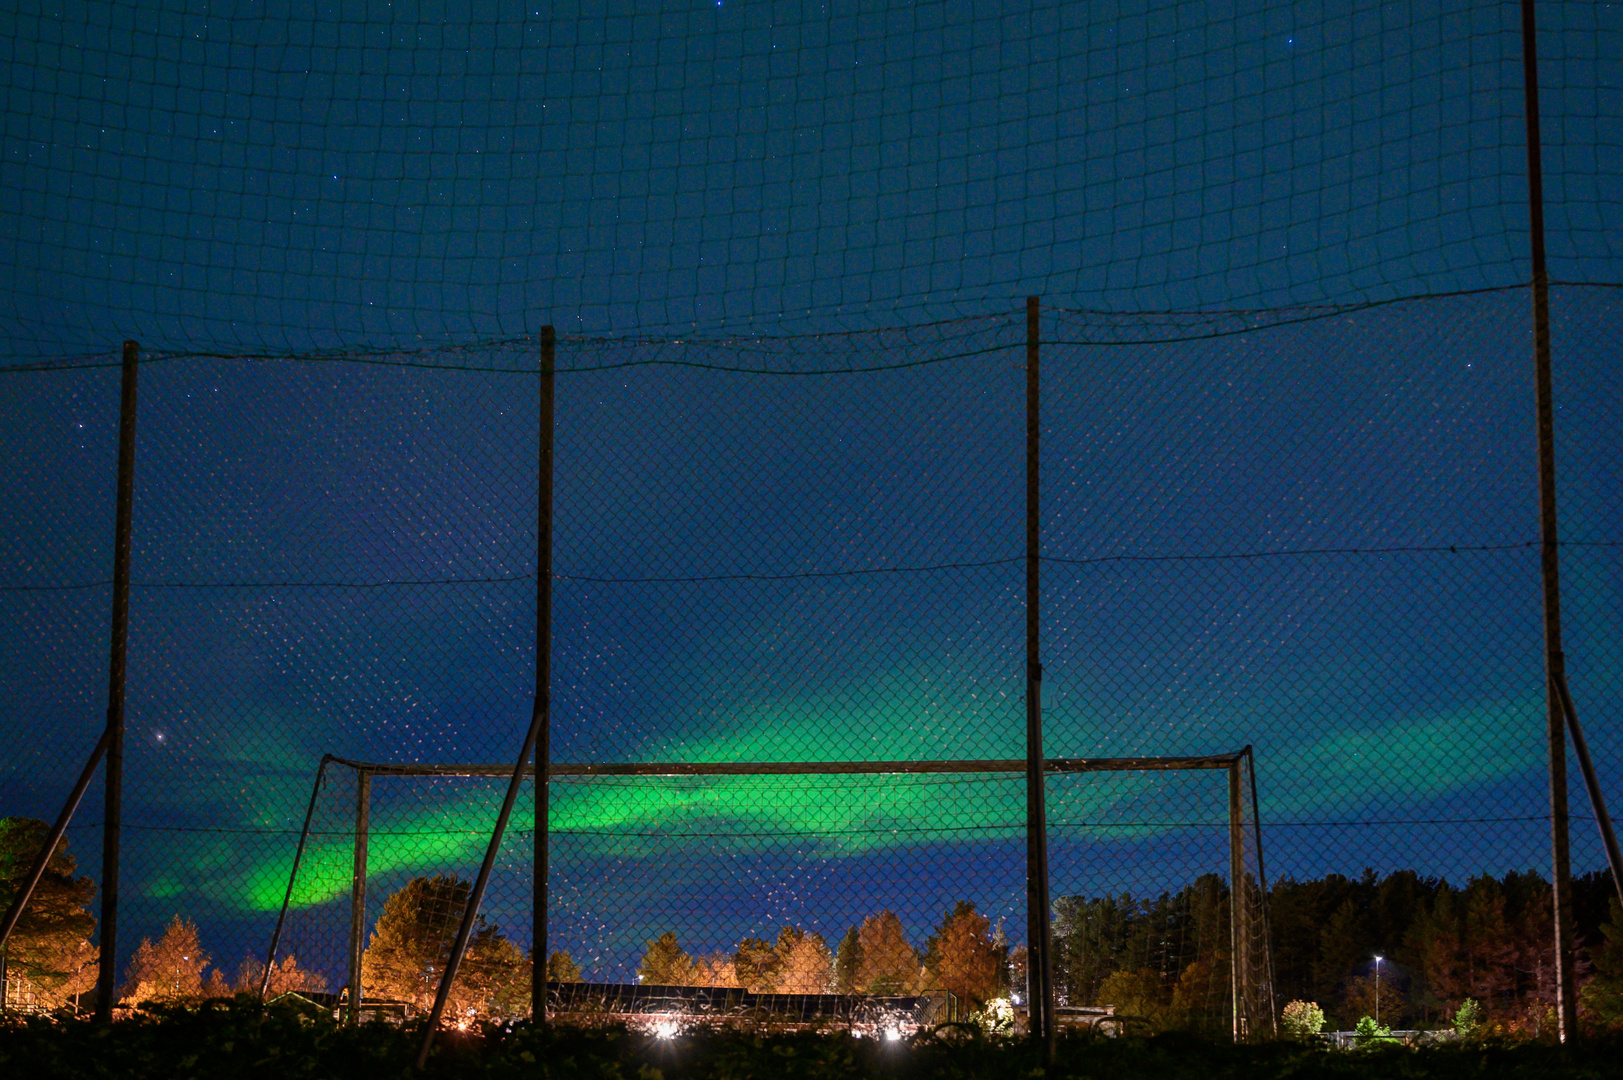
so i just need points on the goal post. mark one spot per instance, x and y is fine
(720, 852)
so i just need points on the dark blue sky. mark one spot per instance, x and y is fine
(1306, 528)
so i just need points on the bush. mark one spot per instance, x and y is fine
(1369, 1031)
(1468, 1018)
(1302, 1019)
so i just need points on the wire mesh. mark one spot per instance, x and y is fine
(371, 178)
(1321, 543)
(768, 882)
(1287, 486)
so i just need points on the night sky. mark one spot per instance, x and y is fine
(1288, 489)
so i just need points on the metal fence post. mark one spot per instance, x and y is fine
(113, 809)
(543, 685)
(1039, 970)
(1550, 561)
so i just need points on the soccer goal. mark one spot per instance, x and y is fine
(778, 875)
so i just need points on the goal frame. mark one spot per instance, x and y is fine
(1240, 766)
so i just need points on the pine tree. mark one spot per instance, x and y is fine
(411, 946)
(561, 967)
(755, 962)
(807, 967)
(664, 963)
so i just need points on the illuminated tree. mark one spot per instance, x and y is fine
(285, 976)
(50, 945)
(889, 964)
(411, 946)
(561, 967)
(755, 963)
(1302, 1019)
(664, 963)
(962, 957)
(171, 970)
(717, 969)
(807, 966)
(494, 979)
(1136, 992)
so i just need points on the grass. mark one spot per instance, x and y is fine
(238, 1040)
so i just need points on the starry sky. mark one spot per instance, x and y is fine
(1288, 489)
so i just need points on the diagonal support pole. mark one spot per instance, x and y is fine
(52, 838)
(293, 875)
(1586, 765)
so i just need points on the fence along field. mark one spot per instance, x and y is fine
(1309, 527)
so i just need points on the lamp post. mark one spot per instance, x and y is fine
(1377, 992)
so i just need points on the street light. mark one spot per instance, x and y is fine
(1377, 991)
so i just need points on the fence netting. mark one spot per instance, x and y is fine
(1288, 490)
(370, 178)
(1312, 531)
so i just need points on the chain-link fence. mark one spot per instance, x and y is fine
(1288, 491)
(1308, 531)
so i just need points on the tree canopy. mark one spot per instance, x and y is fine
(962, 958)
(50, 945)
(889, 964)
(411, 946)
(170, 970)
(664, 963)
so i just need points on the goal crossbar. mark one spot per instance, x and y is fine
(800, 768)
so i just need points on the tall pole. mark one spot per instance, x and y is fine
(1566, 998)
(113, 807)
(1378, 993)
(1039, 973)
(531, 746)
(542, 713)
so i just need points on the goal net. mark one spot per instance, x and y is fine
(809, 877)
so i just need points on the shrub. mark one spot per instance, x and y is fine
(1302, 1019)
(1468, 1018)
(1369, 1031)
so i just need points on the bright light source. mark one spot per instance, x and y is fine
(892, 1035)
(665, 1029)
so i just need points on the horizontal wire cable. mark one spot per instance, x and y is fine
(876, 830)
(389, 358)
(1243, 556)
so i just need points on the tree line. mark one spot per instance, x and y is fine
(965, 955)
(1164, 957)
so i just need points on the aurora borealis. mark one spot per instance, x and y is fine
(1288, 486)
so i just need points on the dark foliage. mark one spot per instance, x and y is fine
(238, 1040)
